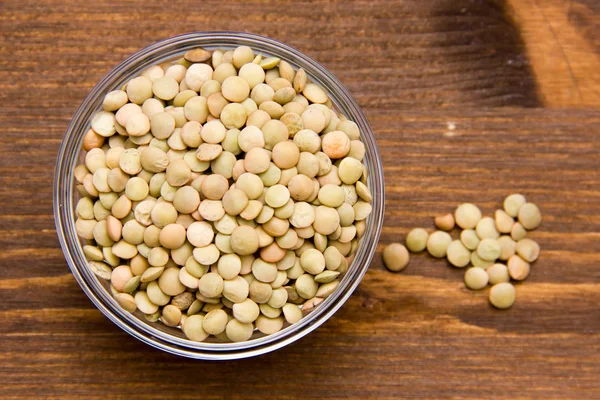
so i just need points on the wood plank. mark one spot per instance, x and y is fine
(562, 43)
(403, 55)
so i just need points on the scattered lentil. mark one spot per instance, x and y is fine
(498, 273)
(518, 268)
(467, 216)
(486, 229)
(504, 222)
(530, 216)
(438, 243)
(416, 240)
(476, 278)
(445, 222)
(502, 295)
(458, 255)
(513, 203)
(470, 239)
(517, 232)
(395, 257)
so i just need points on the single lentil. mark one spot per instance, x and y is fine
(395, 257)
(502, 295)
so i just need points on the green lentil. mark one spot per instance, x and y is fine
(530, 216)
(458, 255)
(507, 247)
(488, 249)
(476, 278)
(513, 203)
(502, 295)
(479, 262)
(486, 229)
(528, 250)
(498, 273)
(416, 240)
(504, 222)
(395, 257)
(517, 232)
(437, 244)
(518, 268)
(470, 239)
(467, 216)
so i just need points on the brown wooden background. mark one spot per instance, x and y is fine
(520, 82)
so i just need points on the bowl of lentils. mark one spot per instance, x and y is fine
(218, 195)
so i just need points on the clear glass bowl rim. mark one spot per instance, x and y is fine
(64, 196)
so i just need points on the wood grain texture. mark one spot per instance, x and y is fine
(562, 40)
(435, 79)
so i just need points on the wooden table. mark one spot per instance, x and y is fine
(470, 101)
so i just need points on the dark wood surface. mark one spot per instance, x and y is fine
(519, 83)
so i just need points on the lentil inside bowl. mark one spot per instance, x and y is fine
(159, 335)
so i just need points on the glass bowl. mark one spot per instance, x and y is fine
(158, 335)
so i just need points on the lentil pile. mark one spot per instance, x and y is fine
(221, 193)
(495, 249)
